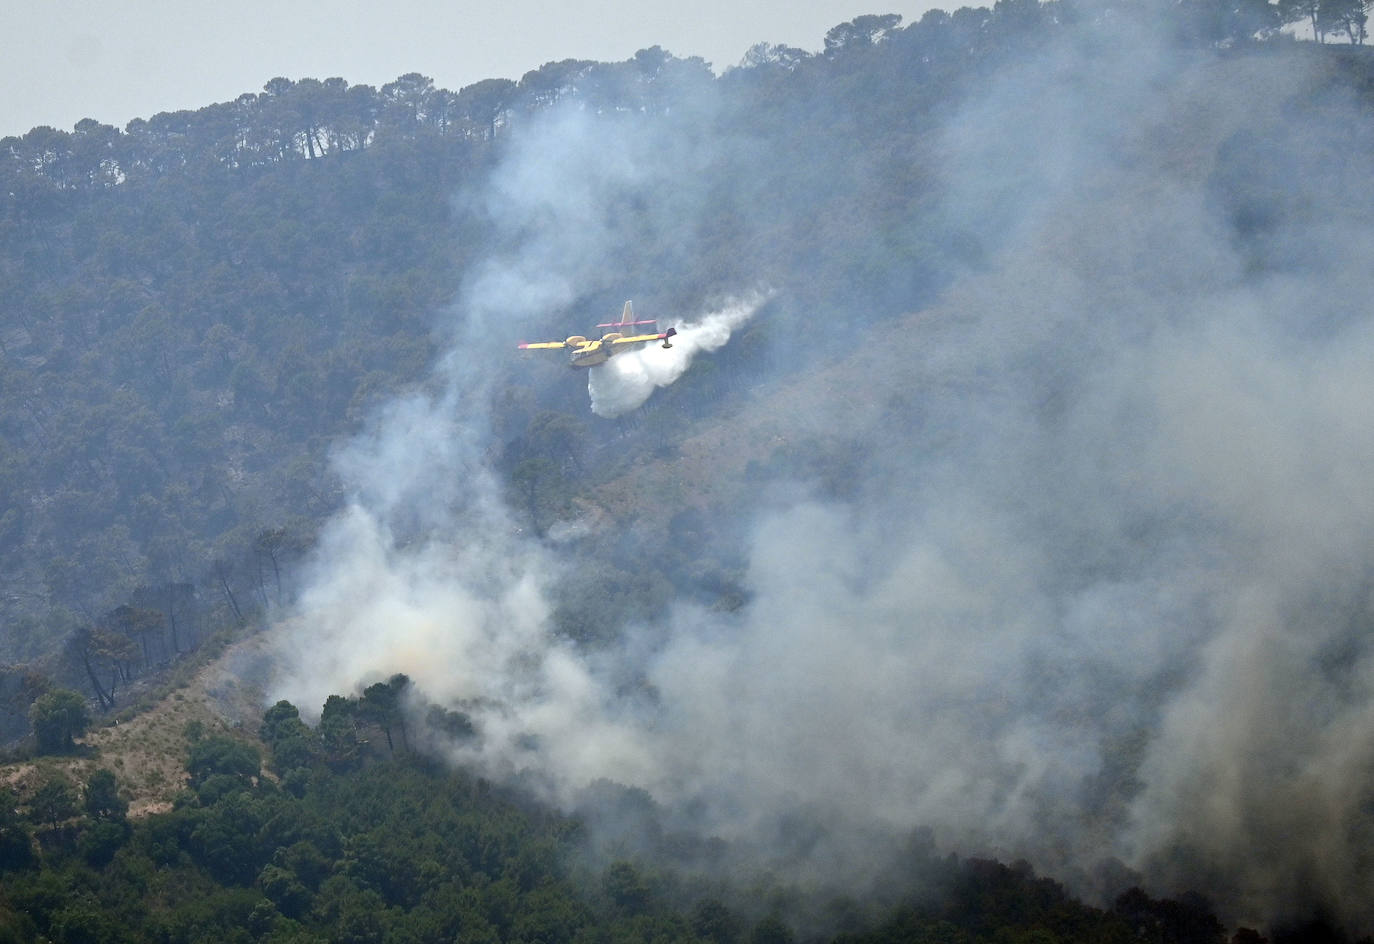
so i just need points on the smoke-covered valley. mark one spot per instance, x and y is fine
(1088, 579)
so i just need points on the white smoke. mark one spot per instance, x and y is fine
(1103, 590)
(468, 621)
(426, 573)
(625, 381)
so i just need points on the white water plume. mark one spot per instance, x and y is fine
(625, 381)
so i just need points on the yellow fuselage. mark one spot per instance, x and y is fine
(590, 354)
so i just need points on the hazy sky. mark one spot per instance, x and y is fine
(114, 60)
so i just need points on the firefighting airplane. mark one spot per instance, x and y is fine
(584, 352)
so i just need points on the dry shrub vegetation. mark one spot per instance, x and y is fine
(146, 748)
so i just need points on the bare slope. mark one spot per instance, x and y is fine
(147, 753)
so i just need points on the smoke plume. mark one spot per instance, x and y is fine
(1098, 590)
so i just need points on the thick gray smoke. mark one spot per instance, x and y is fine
(1103, 592)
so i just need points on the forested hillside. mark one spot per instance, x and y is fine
(1007, 487)
(339, 839)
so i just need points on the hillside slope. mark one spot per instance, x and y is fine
(147, 750)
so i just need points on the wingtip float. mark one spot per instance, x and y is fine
(588, 352)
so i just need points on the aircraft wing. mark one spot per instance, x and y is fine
(640, 337)
(541, 345)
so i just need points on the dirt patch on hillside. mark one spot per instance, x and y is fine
(148, 753)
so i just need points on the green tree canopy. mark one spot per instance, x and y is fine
(225, 756)
(58, 717)
(102, 799)
(53, 801)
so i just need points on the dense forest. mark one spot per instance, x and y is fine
(1021, 517)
